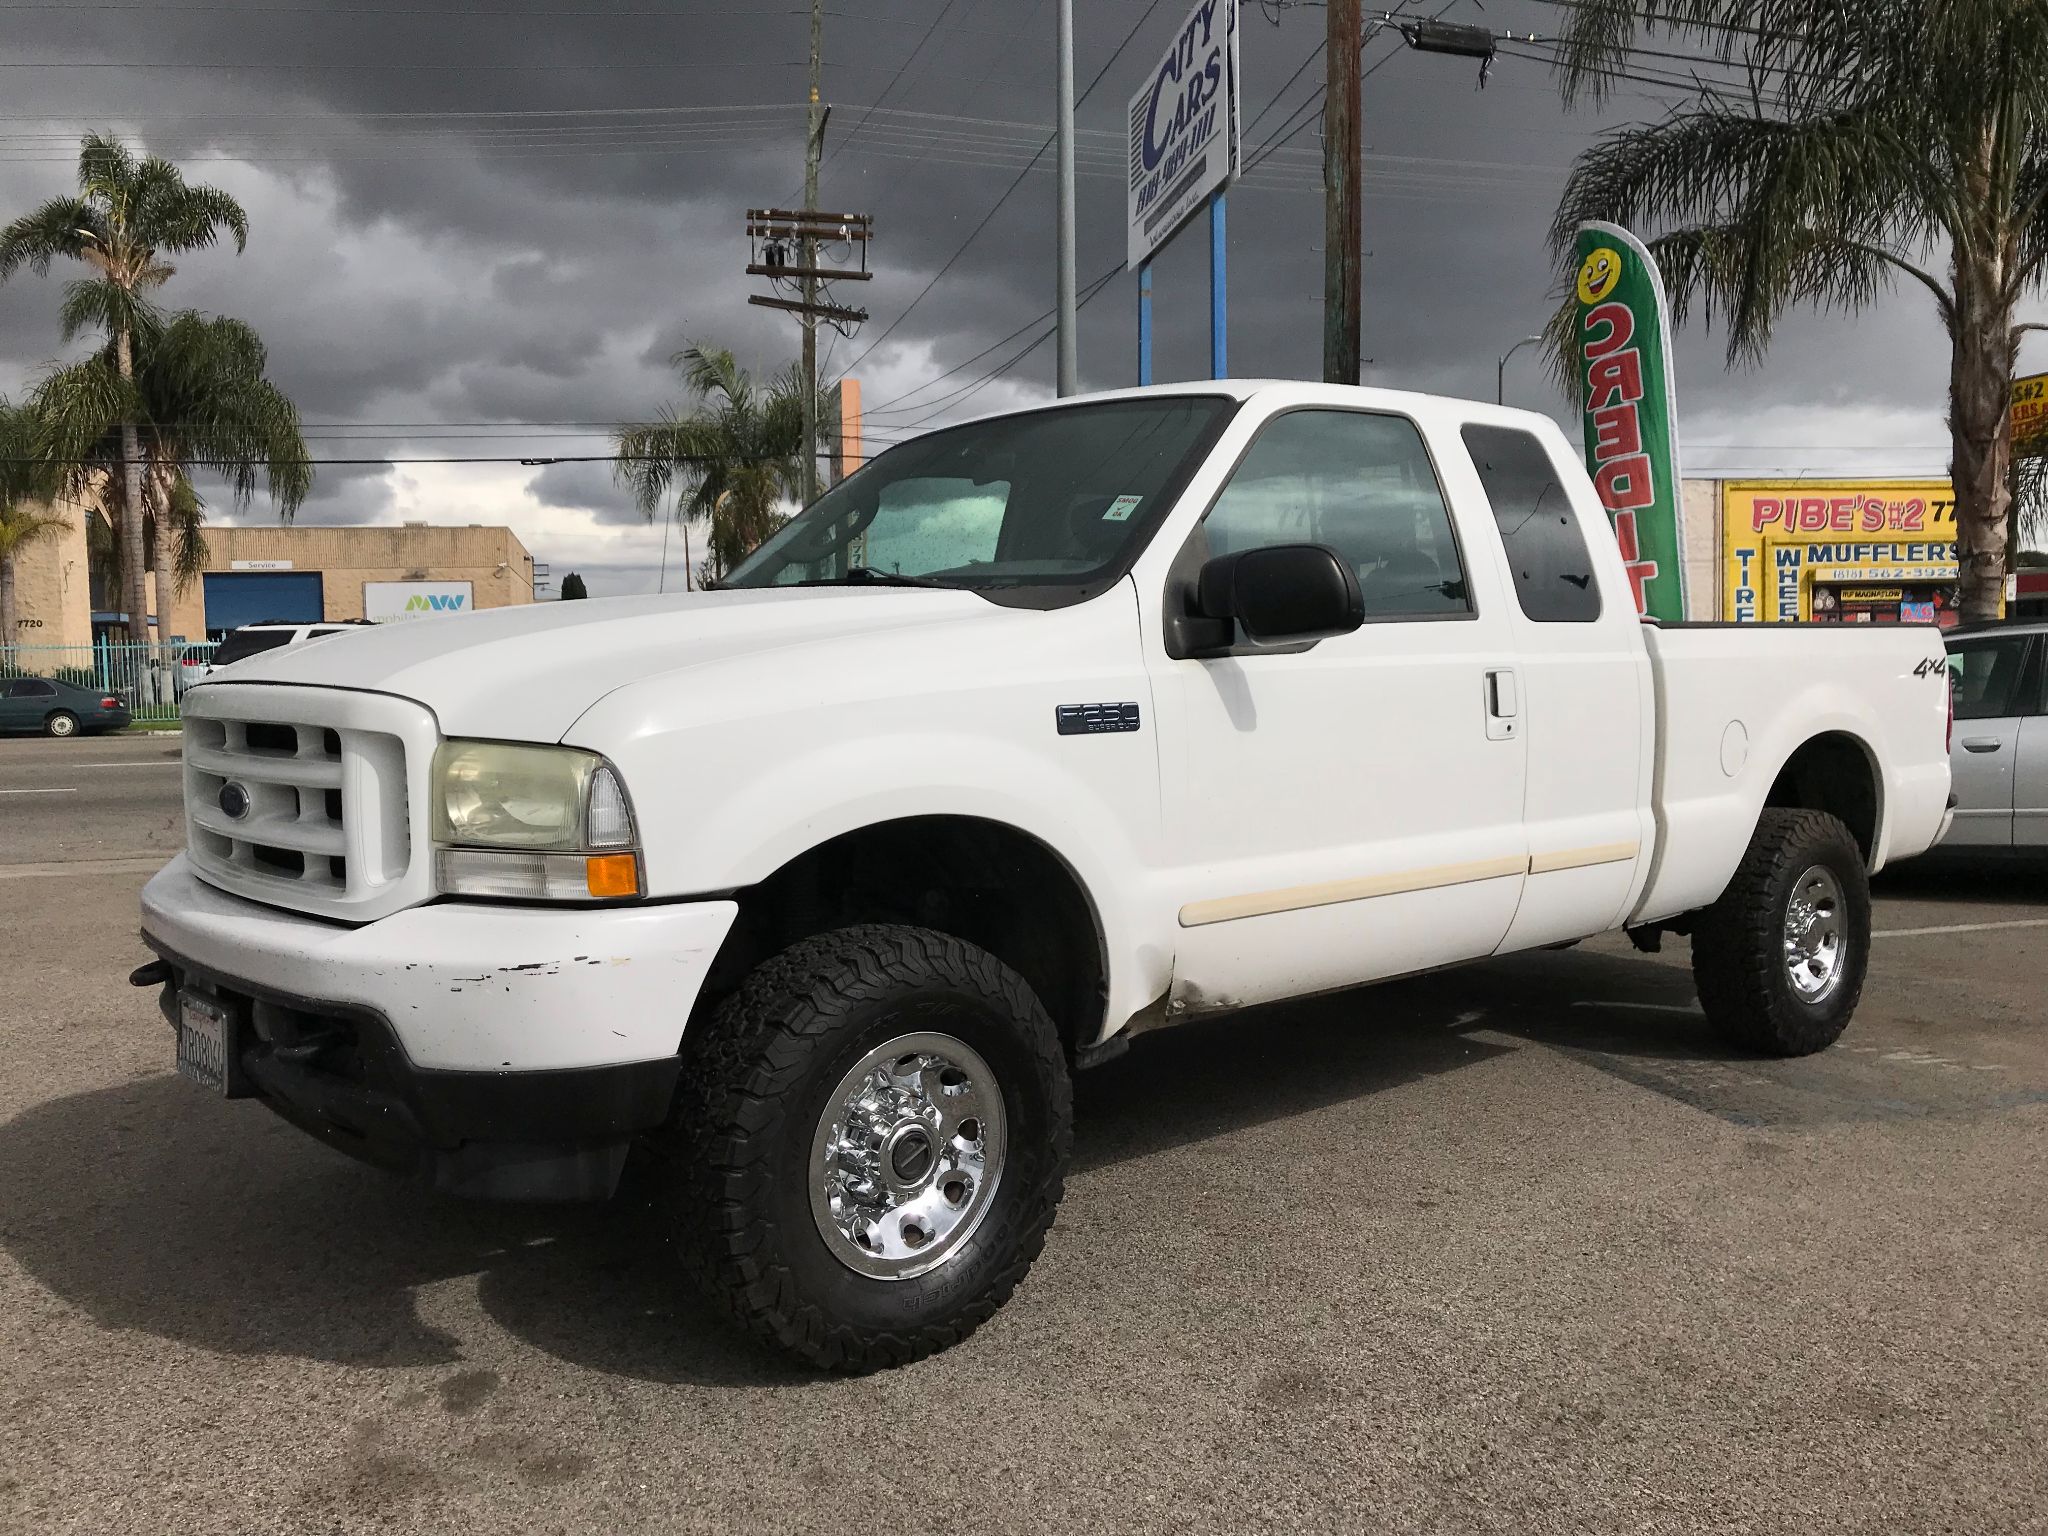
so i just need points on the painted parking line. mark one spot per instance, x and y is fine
(1924, 933)
(138, 864)
(168, 762)
(38, 791)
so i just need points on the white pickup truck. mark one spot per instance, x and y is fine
(1034, 733)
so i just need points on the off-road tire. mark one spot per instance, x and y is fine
(60, 722)
(1738, 944)
(756, 1078)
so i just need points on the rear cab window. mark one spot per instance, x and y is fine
(1552, 568)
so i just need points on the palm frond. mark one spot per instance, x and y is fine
(178, 217)
(106, 168)
(734, 458)
(96, 304)
(27, 473)
(61, 227)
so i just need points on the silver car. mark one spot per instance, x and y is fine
(1999, 756)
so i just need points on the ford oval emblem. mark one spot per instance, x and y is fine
(234, 800)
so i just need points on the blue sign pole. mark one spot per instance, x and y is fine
(1144, 323)
(1219, 295)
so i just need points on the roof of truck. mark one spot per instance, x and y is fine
(1406, 401)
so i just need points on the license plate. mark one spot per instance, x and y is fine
(205, 1035)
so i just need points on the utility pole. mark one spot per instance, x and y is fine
(1069, 367)
(814, 141)
(1341, 212)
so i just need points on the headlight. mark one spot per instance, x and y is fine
(533, 823)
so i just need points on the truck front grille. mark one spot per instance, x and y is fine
(293, 798)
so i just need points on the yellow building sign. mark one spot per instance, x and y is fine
(2030, 414)
(1850, 551)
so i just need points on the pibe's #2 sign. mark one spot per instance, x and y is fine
(1184, 128)
(1623, 349)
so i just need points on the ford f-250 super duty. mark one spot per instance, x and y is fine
(1033, 733)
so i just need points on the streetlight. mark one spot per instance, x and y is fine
(1500, 393)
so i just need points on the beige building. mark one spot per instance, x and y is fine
(295, 573)
(53, 587)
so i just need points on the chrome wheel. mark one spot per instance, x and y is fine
(907, 1156)
(1815, 936)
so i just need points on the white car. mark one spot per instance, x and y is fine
(2000, 752)
(1034, 733)
(256, 639)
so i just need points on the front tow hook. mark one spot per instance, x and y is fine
(154, 974)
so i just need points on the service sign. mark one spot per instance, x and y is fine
(1796, 550)
(387, 600)
(1623, 344)
(1184, 128)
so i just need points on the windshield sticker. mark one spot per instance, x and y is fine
(1121, 509)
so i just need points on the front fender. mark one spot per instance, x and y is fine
(760, 763)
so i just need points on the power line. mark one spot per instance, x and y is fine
(928, 34)
(975, 386)
(467, 66)
(1270, 150)
(1007, 192)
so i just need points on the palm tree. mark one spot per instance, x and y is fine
(1870, 140)
(127, 215)
(28, 484)
(196, 398)
(735, 455)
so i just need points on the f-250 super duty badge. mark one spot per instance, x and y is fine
(1096, 719)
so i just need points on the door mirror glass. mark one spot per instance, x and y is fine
(1283, 594)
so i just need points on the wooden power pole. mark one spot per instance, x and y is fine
(1341, 211)
(814, 141)
(786, 246)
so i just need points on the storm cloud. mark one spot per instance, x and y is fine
(482, 231)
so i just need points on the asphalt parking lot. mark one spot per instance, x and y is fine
(1514, 1249)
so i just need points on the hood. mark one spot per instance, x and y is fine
(526, 673)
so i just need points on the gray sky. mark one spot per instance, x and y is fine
(482, 229)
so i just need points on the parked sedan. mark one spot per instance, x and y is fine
(58, 708)
(1998, 759)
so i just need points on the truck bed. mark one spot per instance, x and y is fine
(1736, 701)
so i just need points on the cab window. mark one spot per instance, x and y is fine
(1553, 569)
(1362, 485)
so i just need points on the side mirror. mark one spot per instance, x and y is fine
(1284, 594)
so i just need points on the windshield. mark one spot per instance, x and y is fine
(1040, 508)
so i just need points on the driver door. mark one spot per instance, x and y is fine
(1352, 809)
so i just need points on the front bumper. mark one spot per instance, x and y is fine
(465, 986)
(499, 1051)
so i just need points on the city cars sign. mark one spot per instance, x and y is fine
(1622, 347)
(1184, 128)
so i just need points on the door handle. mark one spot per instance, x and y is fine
(1503, 700)
(1982, 744)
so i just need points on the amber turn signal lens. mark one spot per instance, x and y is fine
(613, 875)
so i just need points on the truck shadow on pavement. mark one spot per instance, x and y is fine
(151, 1207)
